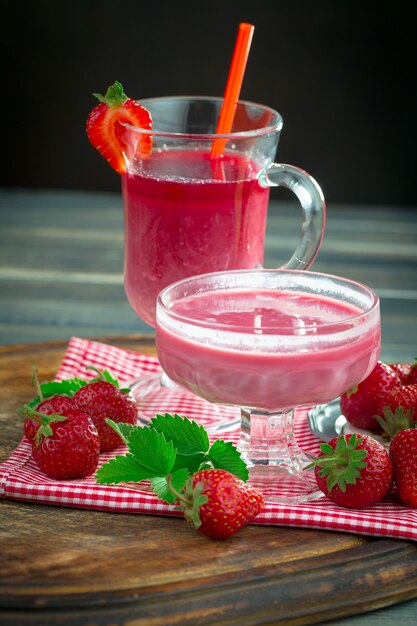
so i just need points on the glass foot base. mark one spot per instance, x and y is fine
(284, 485)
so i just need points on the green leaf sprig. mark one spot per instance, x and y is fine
(167, 452)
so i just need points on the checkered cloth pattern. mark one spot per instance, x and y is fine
(21, 480)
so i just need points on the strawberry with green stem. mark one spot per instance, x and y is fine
(218, 504)
(56, 405)
(49, 405)
(353, 472)
(102, 399)
(65, 446)
(107, 132)
(397, 410)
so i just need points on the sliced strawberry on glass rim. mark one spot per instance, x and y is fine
(107, 132)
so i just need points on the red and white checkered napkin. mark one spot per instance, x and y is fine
(21, 480)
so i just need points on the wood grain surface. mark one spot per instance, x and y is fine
(65, 566)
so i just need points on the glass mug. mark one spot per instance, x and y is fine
(189, 210)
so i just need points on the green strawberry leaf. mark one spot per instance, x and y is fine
(152, 450)
(162, 489)
(187, 436)
(66, 387)
(192, 462)
(123, 430)
(326, 449)
(149, 456)
(103, 375)
(114, 97)
(121, 469)
(110, 378)
(224, 455)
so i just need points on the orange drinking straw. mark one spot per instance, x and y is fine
(233, 85)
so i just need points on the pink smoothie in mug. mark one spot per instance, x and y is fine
(200, 219)
(265, 348)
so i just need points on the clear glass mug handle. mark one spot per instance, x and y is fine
(312, 203)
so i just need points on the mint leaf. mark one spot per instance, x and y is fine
(224, 455)
(187, 436)
(160, 485)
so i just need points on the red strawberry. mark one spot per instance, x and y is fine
(412, 375)
(403, 454)
(353, 472)
(397, 410)
(66, 446)
(402, 370)
(55, 404)
(102, 399)
(360, 404)
(107, 133)
(404, 396)
(218, 504)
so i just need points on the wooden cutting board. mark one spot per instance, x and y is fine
(71, 566)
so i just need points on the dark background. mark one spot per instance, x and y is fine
(342, 74)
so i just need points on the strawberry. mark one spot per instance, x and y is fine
(403, 396)
(55, 404)
(102, 399)
(360, 404)
(353, 472)
(218, 504)
(402, 370)
(66, 446)
(106, 128)
(403, 455)
(412, 375)
(397, 410)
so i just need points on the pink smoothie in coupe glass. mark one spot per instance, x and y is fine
(185, 215)
(266, 349)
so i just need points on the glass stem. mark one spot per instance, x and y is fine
(268, 439)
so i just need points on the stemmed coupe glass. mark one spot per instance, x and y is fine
(269, 341)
